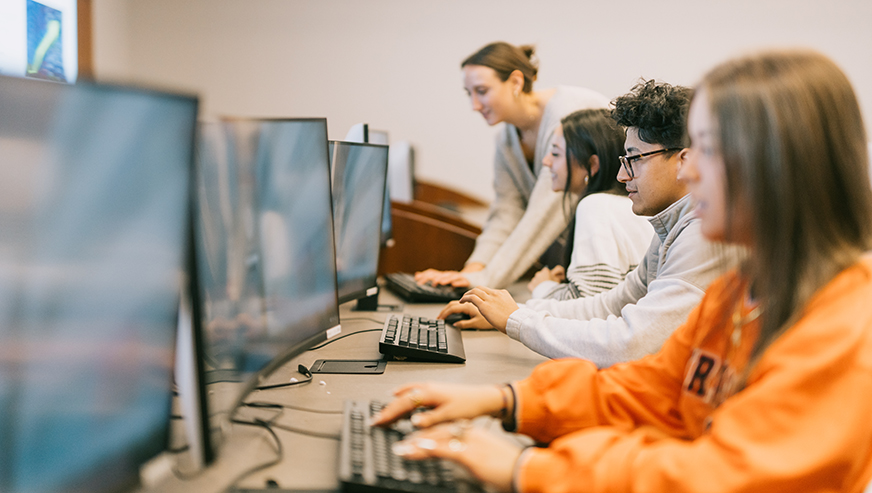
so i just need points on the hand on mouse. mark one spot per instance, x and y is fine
(495, 305)
(476, 320)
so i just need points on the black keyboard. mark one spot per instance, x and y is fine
(405, 286)
(421, 339)
(367, 464)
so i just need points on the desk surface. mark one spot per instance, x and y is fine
(311, 462)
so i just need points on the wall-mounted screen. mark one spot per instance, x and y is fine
(39, 39)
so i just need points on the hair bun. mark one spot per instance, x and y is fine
(529, 51)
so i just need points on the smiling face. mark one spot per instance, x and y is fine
(655, 185)
(704, 171)
(557, 161)
(489, 95)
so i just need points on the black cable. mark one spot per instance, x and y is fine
(301, 369)
(305, 432)
(281, 409)
(343, 337)
(363, 318)
(279, 450)
(271, 405)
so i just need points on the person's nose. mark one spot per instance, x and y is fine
(476, 104)
(623, 176)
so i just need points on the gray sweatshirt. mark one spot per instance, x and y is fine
(526, 216)
(636, 316)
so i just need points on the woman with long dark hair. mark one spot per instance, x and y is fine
(607, 240)
(767, 386)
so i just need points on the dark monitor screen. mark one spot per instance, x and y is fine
(265, 248)
(94, 185)
(359, 177)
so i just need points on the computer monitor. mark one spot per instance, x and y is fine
(359, 173)
(381, 137)
(265, 247)
(94, 187)
(361, 132)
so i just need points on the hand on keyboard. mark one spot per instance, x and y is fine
(490, 458)
(442, 277)
(448, 402)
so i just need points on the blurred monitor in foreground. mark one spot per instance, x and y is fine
(94, 188)
(265, 248)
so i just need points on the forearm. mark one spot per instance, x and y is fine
(541, 225)
(638, 329)
(769, 439)
(552, 290)
(602, 341)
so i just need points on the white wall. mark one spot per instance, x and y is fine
(395, 63)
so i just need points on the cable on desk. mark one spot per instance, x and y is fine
(281, 409)
(343, 337)
(301, 369)
(305, 432)
(362, 318)
(271, 405)
(279, 450)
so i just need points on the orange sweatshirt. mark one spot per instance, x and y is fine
(668, 422)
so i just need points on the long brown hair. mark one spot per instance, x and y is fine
(504, 59)
(794, 150)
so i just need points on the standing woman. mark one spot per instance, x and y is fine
(525, 217)
(767, 386)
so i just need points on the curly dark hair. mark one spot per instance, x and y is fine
(658, 110)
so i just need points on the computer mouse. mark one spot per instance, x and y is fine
(456, 317)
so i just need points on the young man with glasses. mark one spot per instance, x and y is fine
(636, 316)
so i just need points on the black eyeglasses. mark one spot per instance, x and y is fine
(626, 160)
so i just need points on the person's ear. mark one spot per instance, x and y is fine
(516, 79)
(594, 165)
(682, 157)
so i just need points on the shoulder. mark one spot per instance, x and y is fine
(833, 333)
(846, 295)
(605, 200)
(607, 207)
(504, 134)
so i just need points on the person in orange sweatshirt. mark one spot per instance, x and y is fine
(768, 385)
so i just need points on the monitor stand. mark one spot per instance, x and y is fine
(370, 304)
